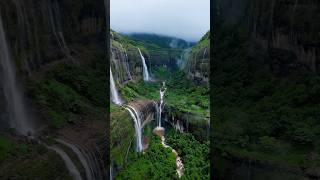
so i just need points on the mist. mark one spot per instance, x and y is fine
(185, 19)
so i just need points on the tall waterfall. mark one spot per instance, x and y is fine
(14, 98)
(114, 93)
(161, 104)
(137, 126)
(146, 76)
(73, 170)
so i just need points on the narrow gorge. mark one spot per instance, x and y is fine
(165, 109)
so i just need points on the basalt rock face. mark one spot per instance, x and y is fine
(126, 62)
(42, 31)
(198, 64)
(146, 108)
(283, 33)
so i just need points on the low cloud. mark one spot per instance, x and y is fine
(186, 19)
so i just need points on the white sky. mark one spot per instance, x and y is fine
(186, 19)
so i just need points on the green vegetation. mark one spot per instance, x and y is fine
(262, 114)
(69, 90)
(121, 138)
(24, 160)
(195, 155)
(156, 163)
(162, 41)
(181, 94)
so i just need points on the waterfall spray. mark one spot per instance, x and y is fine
(114, 93)
(14, 98)
(146, 76)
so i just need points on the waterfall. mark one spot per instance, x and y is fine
(181, 63)
(161, 104)
(110, 175)
(55, 16)
(137, 126)
(127, 66)
(89, 170)
(146, 76)
(18, 118)
(126, 63)
(74, 172)
(114, 93)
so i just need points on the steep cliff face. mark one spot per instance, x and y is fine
(57, 48)
(284, 33)
(125, 59)
(198, 64)
(48, 30)
(265, 80)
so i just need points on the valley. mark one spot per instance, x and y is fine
(161, 127)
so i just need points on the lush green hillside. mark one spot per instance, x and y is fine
(161, 40)
(266, 103)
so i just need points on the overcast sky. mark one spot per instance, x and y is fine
(186, 19)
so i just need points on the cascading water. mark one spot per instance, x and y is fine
(137, 126)
(18, 118)
(126, 63)
(146, 76)
(86, 165)
(161, 104)
(181, 63)
(74, 172)
(114, 93)
(110, 175)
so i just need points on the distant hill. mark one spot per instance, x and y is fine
(161, 40)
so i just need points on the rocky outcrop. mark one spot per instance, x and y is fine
(146, 108)
(198, 64)
(44, 31)
(283, 34)
(126, 62)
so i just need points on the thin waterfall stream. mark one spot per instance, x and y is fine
(146, 76)
(73, 170)
(161, 104)
(137, 126)
(18, 118)
(115, 97)
(86, 165)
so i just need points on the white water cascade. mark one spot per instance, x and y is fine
(161, 104)
(18, 118)
(137, 126)
(81, 156)
(115, 98)
(74, 172)
(146, 76)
